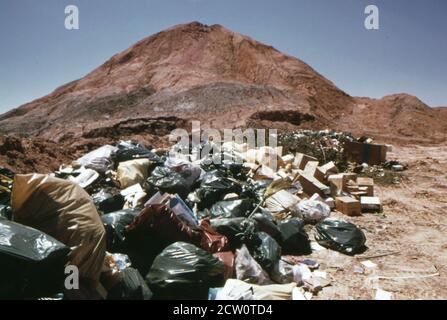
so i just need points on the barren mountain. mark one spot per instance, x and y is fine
(207, 73)
(190, 71)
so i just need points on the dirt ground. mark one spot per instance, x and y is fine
(412, 232)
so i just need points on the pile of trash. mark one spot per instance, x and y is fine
(158, 224)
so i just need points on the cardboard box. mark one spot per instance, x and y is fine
(348, 206)
(370, 204)
(367, 183)
(323, 172)
(302, 159)
(371, 154)
(340, 182)
(311, 185)
(310, 168)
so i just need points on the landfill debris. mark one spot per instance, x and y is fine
(142, 223)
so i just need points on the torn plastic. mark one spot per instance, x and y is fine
(184, 271)
(32, 262)
(340, 235)
(66, 212)
(313, 211)
(248, 270)
(294, 239)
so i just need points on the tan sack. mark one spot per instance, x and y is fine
(133, 172)
(65, 211)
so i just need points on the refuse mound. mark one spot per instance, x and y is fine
(143, 223)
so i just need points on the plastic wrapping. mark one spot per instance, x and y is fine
(32, 263)
(313, 211)
(294, 240)
(66, 212)
(340, 235)
(248, 270)
(184, 271)
(187, 170)
(267, 223)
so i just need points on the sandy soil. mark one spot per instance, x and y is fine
(413, 229)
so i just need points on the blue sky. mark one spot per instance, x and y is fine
(408, 53)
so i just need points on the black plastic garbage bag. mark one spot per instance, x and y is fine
(265, 250)
(167, 180)
(108, 201)
(235, 229)
(294, 239)
(231, 208)
(184, 271)
(132, 286)
(213, 187)
(340, 235)
(130, 150)
(31, 262)
(267, 223)
(115, 224)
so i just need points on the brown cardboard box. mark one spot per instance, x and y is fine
(367, 183)
(311, 185)
(302, 159)
(310, 168)
(348, 206)
(324, 171)
(365, 153)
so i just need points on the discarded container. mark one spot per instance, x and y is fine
(184, 271)
(340, 235)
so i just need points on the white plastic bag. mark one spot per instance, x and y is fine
(248, 270)
(312, 211)
(99, 159)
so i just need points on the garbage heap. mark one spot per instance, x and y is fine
(127, 222)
